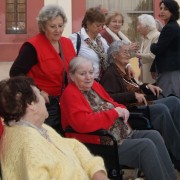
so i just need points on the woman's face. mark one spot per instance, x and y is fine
(141, 29)
(115, 24)
(123, 56)
(84, 76)
(40, 107)
(94, 28)
(164, 14)
(54, 29)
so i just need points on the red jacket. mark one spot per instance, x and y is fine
(77, 113)
(48, 72)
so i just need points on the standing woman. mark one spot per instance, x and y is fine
(167, 50)
(112, 29)
(146, 26)
(45, 58)
(92, 45)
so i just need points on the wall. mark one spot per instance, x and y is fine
(10, 43)
(66, 5)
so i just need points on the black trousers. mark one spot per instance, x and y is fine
(54, 119)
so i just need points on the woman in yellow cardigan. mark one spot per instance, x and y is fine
(32, 150)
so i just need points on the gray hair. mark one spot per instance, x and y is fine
(148, 21)
(76, 62)
(49, 12)
(114, 48)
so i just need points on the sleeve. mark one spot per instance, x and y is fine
(165, 40)
(76, 111)
(26, 59)
(90, 163)
(114, 87)
(147, 58)
(73, 38)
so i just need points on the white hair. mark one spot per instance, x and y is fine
(148, 21)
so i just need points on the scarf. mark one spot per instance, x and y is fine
(99, 50)
(117, 37)
(119, 129)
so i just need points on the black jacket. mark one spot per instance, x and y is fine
(167, 49)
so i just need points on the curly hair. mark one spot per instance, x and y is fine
(93, 15)
(49, 12)
(15, 94)
(173, 7)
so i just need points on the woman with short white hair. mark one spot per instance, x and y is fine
(146, 26)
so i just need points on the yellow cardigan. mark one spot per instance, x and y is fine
(26, 155)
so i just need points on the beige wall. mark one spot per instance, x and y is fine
(179, 4)
(66, 5)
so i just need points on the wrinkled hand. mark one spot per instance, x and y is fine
(100, 175)
(138, 55)
(140, 98)
(134, 46)
(45, 95)
(130, 72)
(155, 89)
(123, 113)
(154, 75)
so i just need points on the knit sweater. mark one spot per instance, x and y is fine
(27, 155)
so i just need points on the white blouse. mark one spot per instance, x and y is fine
(86, 51)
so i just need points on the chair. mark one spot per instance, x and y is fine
(110, 152)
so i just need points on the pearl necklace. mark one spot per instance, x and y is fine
(131, 83)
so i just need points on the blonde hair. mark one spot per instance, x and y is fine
(112, 14)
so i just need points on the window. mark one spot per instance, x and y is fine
(130, 9)
(15, 16)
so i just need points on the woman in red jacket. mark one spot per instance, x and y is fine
(45, 58)
(86, 107)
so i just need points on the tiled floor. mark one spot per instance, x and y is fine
(4, 69)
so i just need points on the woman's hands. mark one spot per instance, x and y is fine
(154, 89)
(140, 98)
(123, 113)
(100, 175)
(129, 71)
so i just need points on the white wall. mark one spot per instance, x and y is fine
(67, 6)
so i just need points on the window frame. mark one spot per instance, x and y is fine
(15, 12)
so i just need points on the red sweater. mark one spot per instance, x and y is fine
(48, 72)
(77, 113)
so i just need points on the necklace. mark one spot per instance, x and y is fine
(131, 83)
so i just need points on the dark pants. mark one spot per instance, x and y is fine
(54, 119)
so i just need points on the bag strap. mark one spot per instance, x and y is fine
(78, 43)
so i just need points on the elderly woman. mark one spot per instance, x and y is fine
(96, 110)
(167, 49)
(146, 26)
(112, 29)
(45, 58)
(164, 113)
(92, 45)
(32, 150)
